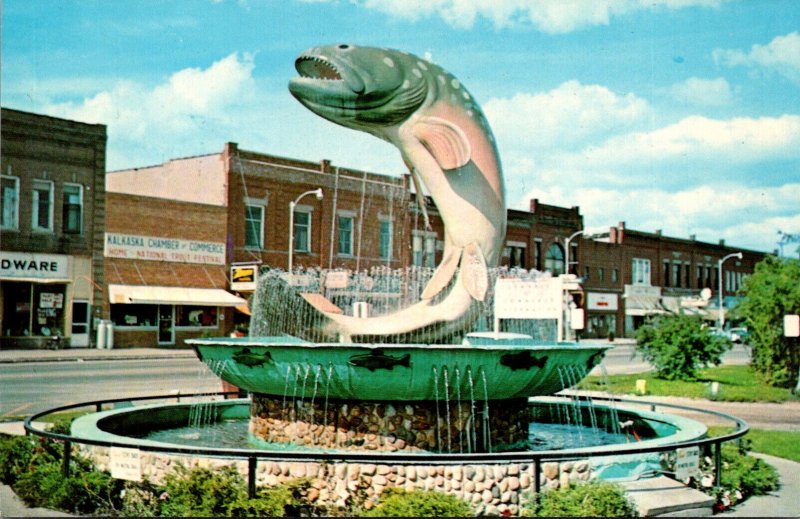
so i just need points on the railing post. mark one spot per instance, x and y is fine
(65, 461)
(252, 464)
(717, 464)
(537, 470)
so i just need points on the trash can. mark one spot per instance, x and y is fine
(101, 335)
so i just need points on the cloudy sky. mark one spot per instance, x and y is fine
(679, 115)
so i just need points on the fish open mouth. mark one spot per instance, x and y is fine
(317, 68)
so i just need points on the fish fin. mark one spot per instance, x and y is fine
(420, 198)
(444, 272)
(444, 140)
(474, 274)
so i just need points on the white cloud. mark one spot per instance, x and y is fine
(170, 119)
(700, 143)
(568, 115)
(781, 55)
(748, 217)
(702, 92)
(550, 16)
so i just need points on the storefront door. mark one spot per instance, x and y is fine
(166, 324)
(80, 324)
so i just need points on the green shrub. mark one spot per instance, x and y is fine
(596, 499)
(220, 492)
(201, 492)
(742, 476)
(269, 502)
(83, 492)
(678, 346)
(396, 502)
(770, 293)
(16, 455)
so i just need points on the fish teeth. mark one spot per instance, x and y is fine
(320, 69)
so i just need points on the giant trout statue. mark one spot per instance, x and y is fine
(448, 146)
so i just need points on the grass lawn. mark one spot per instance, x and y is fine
(783, 444)
(736, 384)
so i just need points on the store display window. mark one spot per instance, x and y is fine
(33, 309)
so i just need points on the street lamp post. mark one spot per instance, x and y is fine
(566, 249)
(567, 303)
(318, 193)
(719, 279)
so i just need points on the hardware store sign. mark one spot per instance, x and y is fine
(23, 265)
(152, 248)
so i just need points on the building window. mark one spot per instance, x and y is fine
(586, 273)
(302, 230)
(135, 315)
(430, 251)
(416, 247)
(385, 245)
(699, 269)
(345, 226)
(73, 209)
(254, 226)
(687, 275)
(708, 276)
(676, 274)
(33, 309)
(614, 275)
(667, 273)
(554, 261)
(423, 250)
(573, 258)
(42, 209)
(537, 255)
(601, 273)
(9, 198)
(640, 272)
(196, 316)
(516, 256)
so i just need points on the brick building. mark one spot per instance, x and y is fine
(535, 239)
(166, 252)
(165, 247)
(52, 210)
(631, 275)
(241, 199)
(236, 204)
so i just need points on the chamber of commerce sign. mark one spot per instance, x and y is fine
(151, 248)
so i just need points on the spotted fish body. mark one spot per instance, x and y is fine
(445, 140)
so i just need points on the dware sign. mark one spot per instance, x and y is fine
(23, 265)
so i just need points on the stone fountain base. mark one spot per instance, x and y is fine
(446, 426)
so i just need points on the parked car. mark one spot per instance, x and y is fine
(736, 335)
(739, 335)
(719, 332)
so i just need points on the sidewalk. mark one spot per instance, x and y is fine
(90, 354)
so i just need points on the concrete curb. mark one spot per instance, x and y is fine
(86, 355)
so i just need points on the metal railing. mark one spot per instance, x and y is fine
(252, 456)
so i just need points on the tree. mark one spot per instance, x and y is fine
(679, 345)
(770, 293)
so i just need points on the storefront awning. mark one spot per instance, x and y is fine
(147, 295)
(643, 305)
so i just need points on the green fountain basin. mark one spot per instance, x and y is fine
(493, 366)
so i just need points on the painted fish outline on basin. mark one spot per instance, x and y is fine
(377, 359)
(445, 140)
